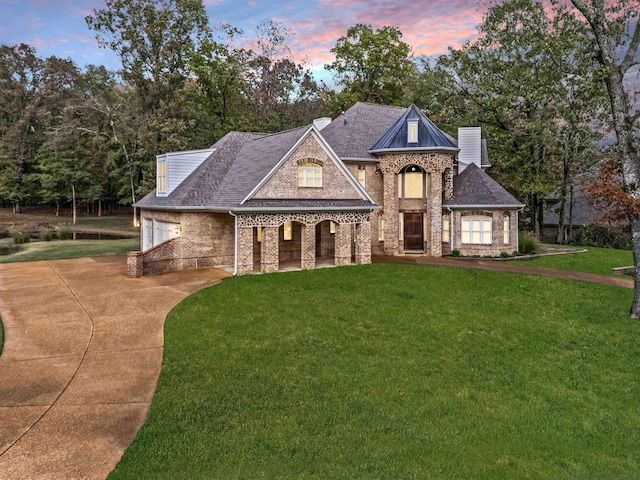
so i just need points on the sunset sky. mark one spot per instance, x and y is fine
(57, 27)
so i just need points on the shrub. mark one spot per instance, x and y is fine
(527, 243)
(19, 237)
(65, 234)
(602, 236)
(505, 255)
(46, 235)
(455, 253)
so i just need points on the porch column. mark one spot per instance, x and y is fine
(270, 256)
(390, 213)
(343, 244)
(435, 216)
(245, 250)
(363, 243)
(308, 253)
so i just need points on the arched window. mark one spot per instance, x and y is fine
(309, 175)
(506, 230)
(411, 182)
(476, 229)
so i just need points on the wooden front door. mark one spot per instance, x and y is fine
(413, 231)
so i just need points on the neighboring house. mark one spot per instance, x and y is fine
(376, 180)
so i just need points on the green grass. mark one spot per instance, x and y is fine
(595, 260)
(395, 372)
(71, 249)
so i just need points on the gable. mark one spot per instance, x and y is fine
(337, 183)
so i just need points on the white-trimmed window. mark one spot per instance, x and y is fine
(380, 229)
(161, 176)
(288, 230)
(309, 175)
(155, 232)
(412, 131)
(506, 230)
(476, 230)
(362, 176)
(411, 182)
(446, 228)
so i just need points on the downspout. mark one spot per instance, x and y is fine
(235, 243)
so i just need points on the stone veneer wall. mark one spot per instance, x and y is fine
(439, 167)
(206, 239)
(497, 242)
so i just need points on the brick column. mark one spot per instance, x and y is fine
(343, 244)
(363, 243)
(308, 253)
(390, 213)
(135, 264)
(435, 216)
(245, 250)
(270, 255)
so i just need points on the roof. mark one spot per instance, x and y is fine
(429, 135)
(240, 161)
(352, 134)
(474, 187)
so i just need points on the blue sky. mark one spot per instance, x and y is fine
(57, 27)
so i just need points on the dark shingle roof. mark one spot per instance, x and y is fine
(239, 163)
(353, 133)
(474, 187)
(429, 136)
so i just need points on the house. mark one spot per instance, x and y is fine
(376, 180)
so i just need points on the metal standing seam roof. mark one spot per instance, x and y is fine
(474, 187)
(429, 135)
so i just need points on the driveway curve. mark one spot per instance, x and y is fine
(81, 360)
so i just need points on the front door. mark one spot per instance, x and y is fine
(413, 231)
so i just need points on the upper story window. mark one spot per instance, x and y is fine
(161, 179)
(411, 182)
(309, 175)
(412, 130)
(362, 176)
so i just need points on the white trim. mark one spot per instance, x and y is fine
(312, 130)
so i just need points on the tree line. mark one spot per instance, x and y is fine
(536, 79)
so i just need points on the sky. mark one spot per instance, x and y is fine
(57, 27)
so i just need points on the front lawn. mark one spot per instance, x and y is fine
(395, 372)
(58, 249)
(595, 260)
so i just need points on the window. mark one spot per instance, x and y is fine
(288, 231)
(147, 233)
(362, 176)
(259, 234)
(309, 175)
(505, 229)
(401, 226)
(412, 131)
(446, 226)
(161, 180)
(332, 227)
(476, 230)
(380, 229)
(156, 232)
(411, 182)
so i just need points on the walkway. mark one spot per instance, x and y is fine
(507, 267)
(82, 355)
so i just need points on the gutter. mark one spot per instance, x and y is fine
(416, 150)
(305, 209)
(458, 207)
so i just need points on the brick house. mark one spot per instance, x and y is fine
(376, 180)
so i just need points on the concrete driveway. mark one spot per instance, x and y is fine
(81, 360)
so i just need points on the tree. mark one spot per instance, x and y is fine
(617, 43)
(372, 66)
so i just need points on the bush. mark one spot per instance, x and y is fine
(455, 253)
(602, 236)
(505, 255)
(65, 234)
(46, 235)
(19, 237)
(527, 243)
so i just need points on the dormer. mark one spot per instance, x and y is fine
(174, 167)
(414, 132)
